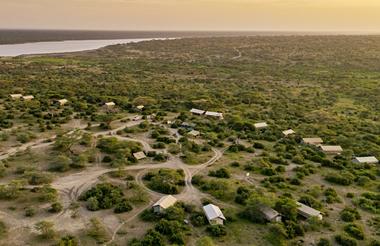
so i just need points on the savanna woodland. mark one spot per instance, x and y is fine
(87, 170)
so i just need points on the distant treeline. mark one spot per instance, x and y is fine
(26, 36)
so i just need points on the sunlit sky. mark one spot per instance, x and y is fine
(259, 15)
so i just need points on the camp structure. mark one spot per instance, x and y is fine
(15, 96)
(139, 155)
(331, 149)
(194, 133)
(28, 98)
(197, 111)
(365, 160)
(312, 141)
(140, 107)
(214, 115)
(308, 212)
(288, 132)
(214, 214)
(270, 214)
(164, 203)
(261, 125)
(109, 104)
(62, 102)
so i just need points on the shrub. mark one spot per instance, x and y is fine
(173, 229)
(310, 201)
(174, 148)
(355, 231)
(242, 195)
(324, 242)
(30, 212)
(235, 164)
(216, 230)
(294, 229)
(343, 178)
(258, 145)
(160, 157)
(3, 229)
(205, 241)
(166, 181)
(331, 195)
(198, 219)
(38, 178)
(56, 207)
(349, 214)
(123, 206)
(68, 241)
(220, 173)
(45, 229)
(102, 196)
(60, 164)
(345, 240)
(374, 242)
(151, 238)
(97, 231)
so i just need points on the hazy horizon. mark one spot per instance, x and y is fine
(349, 16)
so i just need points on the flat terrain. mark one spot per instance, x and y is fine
(71, 173)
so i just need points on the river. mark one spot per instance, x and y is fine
(62, 46)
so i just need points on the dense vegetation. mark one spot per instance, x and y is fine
(318, 86)
(166, 181)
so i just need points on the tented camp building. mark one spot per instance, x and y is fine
(164, 203)
(312, 141)
(214, 214)
(331, 149)
(197, 111)
(365, 160)
(308, 212)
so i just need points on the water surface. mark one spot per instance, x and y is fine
(62, 46)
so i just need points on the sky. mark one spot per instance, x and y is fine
(224, 15)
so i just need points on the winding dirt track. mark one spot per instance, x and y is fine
(71, 186)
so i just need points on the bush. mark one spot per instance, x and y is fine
(123, 206)
(258, 145)
(343, 178)
(220, 173)
(324, 242)
(205, 241)
(149, 215)
(310, 201)
(374, 242)
(102, 196)
(97, 231)
(242, 195)
(355, 231)
(56, 207)
(235, 164)
(166, 181)
(349, 214)
(198, 219)
(174, 149)
(38, 178)
(216, 230)
(45, 229)
(3, 229)
(30, 212)
(151, 238)
(345, 240)
(173, 229)
(68, 241)
(60, 164)
(331, 195)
